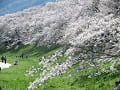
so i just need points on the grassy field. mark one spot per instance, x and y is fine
(14, 77)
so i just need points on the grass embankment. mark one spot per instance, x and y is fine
(78, 80)
(14, 77)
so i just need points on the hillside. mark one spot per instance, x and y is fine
(101, 74)
(71, 22)
(87, 36)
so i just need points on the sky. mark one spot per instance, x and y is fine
(12, 6)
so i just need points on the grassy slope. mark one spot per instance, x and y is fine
(73, 80)
(14, 79)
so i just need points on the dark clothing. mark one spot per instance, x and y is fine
(118, 87)
(0, 88)
(5, 59)
(22, 55)
(2, 58)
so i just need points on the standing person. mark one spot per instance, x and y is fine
(0, 88)
(22, 55)
(5, 58)
(117, 85)
(16, 61)
(2, 58)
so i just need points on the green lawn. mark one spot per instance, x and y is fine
(14, 77)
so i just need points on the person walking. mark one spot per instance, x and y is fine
(16, 61)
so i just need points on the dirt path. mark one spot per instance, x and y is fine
(3, 65)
